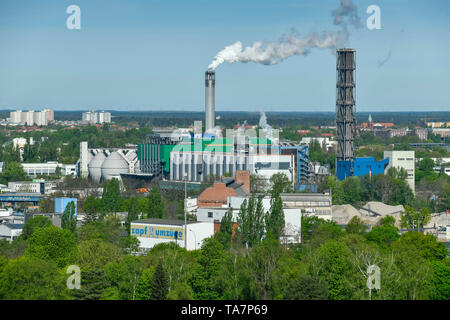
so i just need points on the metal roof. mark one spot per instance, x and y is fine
(163, 221)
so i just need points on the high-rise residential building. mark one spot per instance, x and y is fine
(405, 160)
(97, 117)
(29, 118)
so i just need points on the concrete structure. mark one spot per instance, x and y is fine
(10, 231)
(210, 87)
(61, 204)
(151, 232)
(405, 160)
(106, 163)
(345, 104)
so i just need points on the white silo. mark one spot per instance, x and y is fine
(113, 166)
(95, 166)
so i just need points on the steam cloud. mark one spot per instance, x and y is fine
(264, 125)
(288, 46)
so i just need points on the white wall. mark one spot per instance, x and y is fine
(196, 234)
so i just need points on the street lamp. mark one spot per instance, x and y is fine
(195, 238)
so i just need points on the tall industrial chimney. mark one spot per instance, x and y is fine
(345, 104)
(210, 83)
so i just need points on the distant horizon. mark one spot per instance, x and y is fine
(221, 111)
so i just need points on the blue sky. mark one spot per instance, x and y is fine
(151, 55)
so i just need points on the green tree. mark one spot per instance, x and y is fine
(387, 220)
(355, 226)
(13, 172)
(156, 207)
(96, 253)
(333, 267)
(133, 213)
(274, 219)
(53, 244)
(226, 229)
(383, 235)
(280, 184)
(306, 288)
(125, 276)
(441, 280)
(425, 245)
(69, 218)
(180, 291)
(250, 221)
(160, 283)
(93, 284)
(31, 225)
(415, 220)
(91, 207)
(144, 285)
(111, 198)
(29, 278)
(207, 269)
(352, 193)
(46, 205)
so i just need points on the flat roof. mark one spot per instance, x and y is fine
(163, 221)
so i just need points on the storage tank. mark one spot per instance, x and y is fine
(95, 166)
(113, 166)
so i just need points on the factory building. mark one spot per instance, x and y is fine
(151, 232)
(194, 159)
(105, 163)
(361, 167)
(48, 168)
(405, 160)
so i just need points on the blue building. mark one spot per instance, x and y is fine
(361, 167)
(61, 204)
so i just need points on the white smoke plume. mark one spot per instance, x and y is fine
(264, 125)
(274, 52)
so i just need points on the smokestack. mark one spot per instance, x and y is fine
(345, 103)
(210, 83)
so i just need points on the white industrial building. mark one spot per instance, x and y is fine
(405, 160)
(37, 186)
(48, 168)
(219, 163)
(151, 232)
(106, 163)
(10, 231)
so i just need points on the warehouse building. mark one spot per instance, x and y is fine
(151, 232)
